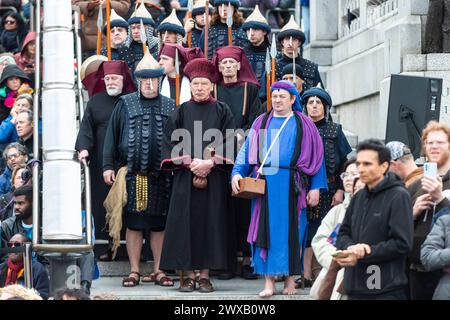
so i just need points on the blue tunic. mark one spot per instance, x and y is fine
(277, 179)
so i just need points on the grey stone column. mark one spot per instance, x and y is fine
(324, 19)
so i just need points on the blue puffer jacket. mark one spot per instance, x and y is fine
(5, 181)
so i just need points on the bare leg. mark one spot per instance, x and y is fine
(246, 261)
(308, 261)
(269, 287)
(134, 248)
(204, 274)
(289, 286)
(156, 243)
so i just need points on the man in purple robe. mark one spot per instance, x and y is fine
(278, 221)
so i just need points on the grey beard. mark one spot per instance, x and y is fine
(113, 91)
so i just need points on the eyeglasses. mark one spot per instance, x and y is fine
(14, 244)
(10, 21)
(13, 156)
(349, 175)
(438, 143)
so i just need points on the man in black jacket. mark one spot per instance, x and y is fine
(377, 232)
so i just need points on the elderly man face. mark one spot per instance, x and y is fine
(256, 36)
(282, 102)
(24, 125)
(113, 84)
(118, 35)
(201, 89)
(315, 108)
(229, 68)
(149, 87)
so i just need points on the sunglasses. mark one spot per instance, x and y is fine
(14, 244)
(10, 21)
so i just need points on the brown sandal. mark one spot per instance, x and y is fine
(149, 277)
(205, 285)
(134, 282)
(164, 281)
(188, 285)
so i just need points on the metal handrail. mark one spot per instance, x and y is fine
(28, 266)
(10, 8)
(77, 31)
(36, 151)
(269, 11)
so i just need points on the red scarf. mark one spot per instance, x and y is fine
(14, 272)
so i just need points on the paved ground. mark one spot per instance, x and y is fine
(235, 289)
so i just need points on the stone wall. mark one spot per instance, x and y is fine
(357, 61)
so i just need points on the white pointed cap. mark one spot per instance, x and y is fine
(147, 62)
(114, 16)
(148, 67)
(291, 29)
(202, 4)
(171, 23)
(172, 19)
(291, 25)
(256, 16)
(139, 13)
(256, 21)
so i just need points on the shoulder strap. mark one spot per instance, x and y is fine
(273, 143)
(215, 91)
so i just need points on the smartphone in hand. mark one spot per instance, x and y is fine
(337, 254)
(430, 169)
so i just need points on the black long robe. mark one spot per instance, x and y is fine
(233, 96)
(91, 138)
(239, 217)
(196, 228)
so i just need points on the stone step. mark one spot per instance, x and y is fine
(234, 289)
(121, 268)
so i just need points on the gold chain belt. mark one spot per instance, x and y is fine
(141, 193)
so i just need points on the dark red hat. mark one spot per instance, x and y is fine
(185, 54)
(245, 74)
(112, 67)
(95, 83)
(201, 68)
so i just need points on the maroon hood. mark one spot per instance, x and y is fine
(30, 37)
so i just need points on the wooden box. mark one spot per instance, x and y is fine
(251, 188)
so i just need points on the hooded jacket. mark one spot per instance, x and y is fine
(21, 59)
(382, 218)
(6, 94)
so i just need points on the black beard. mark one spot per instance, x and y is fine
(27, 213)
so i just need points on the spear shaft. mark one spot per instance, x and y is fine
(206, 28)
(108, 28)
